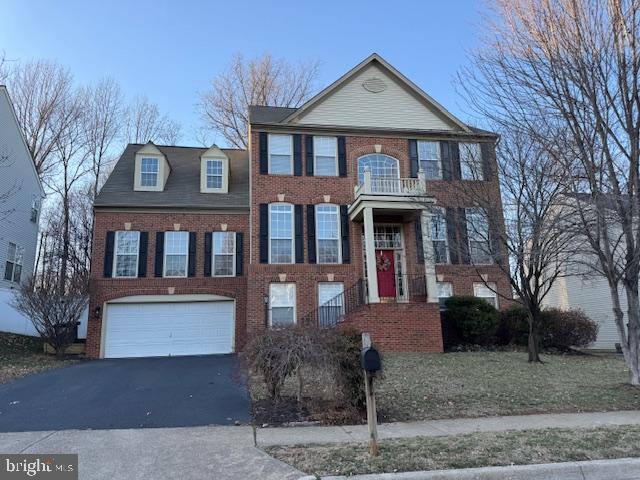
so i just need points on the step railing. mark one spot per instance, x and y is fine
(333, 311)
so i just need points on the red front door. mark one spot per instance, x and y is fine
(385, 267)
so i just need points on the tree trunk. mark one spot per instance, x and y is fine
(65, 244)
(534, 338)
(633, 334)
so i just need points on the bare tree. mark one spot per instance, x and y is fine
(11, 188)
(39, 90)
(259, 81)
(3, 68)
(144, 123)
(574, 67)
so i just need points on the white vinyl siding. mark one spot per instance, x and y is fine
(429, 159)
(487, 292)
(281, 233)
(224, 254)
(176, 254)
(328, 234)
(282, 304)
(395, 107)
(470, 161)
(325, 156)
(125, 258)
(280, 154)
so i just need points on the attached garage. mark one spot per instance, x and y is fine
(161, 329)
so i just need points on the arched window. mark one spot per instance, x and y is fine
(379, 165)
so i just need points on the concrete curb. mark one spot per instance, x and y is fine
(618, 469)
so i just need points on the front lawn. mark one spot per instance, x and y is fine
(465, 451)
(21, 355)
(473, 384)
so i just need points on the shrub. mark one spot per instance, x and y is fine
(474, 318)
(563, 329)
(344, 346)
(513, 327)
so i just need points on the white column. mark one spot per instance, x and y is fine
(429, 257)
(370, 248)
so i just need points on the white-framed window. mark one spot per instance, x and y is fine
(224, 254)
(13, 266)
(387, 237)
(215, 171)
(487, 292)
(325, 156)
(478, 234)
(281, 233)
(470, 161)
(429, 159)
(439, 235)
(149, 171)
(125, 258)
(380, 166)
(280, 154)
(330, 302)
(328, 233)
(35, 206)
(445, 290)
(282, 304)
(176, 254)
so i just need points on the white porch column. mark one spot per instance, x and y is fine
(429, 257)
(370, 248)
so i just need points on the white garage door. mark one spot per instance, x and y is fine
(168, 329)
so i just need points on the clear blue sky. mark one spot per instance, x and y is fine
(169, 50)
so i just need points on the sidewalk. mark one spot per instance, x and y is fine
(437, 428)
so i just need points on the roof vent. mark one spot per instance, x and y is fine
(374, 85)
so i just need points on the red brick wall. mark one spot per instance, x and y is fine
(105, 289)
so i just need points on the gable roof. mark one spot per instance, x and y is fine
(182, 189)
(5, 92)
(376, 59)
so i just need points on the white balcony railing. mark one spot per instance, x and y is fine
(409, 187)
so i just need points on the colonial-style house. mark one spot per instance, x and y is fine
(344, 211)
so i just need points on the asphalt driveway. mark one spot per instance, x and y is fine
(128, 393)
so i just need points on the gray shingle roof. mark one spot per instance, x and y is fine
(182, 189)
(260, 114)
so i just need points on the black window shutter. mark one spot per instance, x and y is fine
(298, 234)
(419, 244)
(192, 255)
(452, 240)
(311, 233)
(344, 232)
(487, 160)
(264, 152)
(496, 246)
(413, 157)
(464, 236)
(239, 250)
(445, 160)
(142, 254)
(297, 155)
(208, 257)
(342, 157)
(264, 233)
(454, 155)
(108, 254)
(308, 152)
(159, 260)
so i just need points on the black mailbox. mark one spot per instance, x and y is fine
(370, 359)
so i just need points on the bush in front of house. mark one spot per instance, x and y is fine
(563, 329)
(475, 320)
(344, 347)
(513, 327)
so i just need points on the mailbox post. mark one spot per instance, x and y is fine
(371, 363)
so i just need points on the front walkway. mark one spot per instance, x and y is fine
(438, 428)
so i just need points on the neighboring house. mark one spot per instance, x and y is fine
(343, 210)
(21, 196)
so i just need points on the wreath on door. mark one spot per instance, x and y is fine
(382, 263)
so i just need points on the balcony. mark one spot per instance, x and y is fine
(394, 196)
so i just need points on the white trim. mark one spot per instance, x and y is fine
(438, 160)
(269, 143)
(115, 255)
(479, 288)
(315, 154)
(339, 239)
(224, 188)
(164, 257)
(213, 254)
(293, 233)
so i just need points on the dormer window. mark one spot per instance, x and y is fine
(214, 171)
(148, 172)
